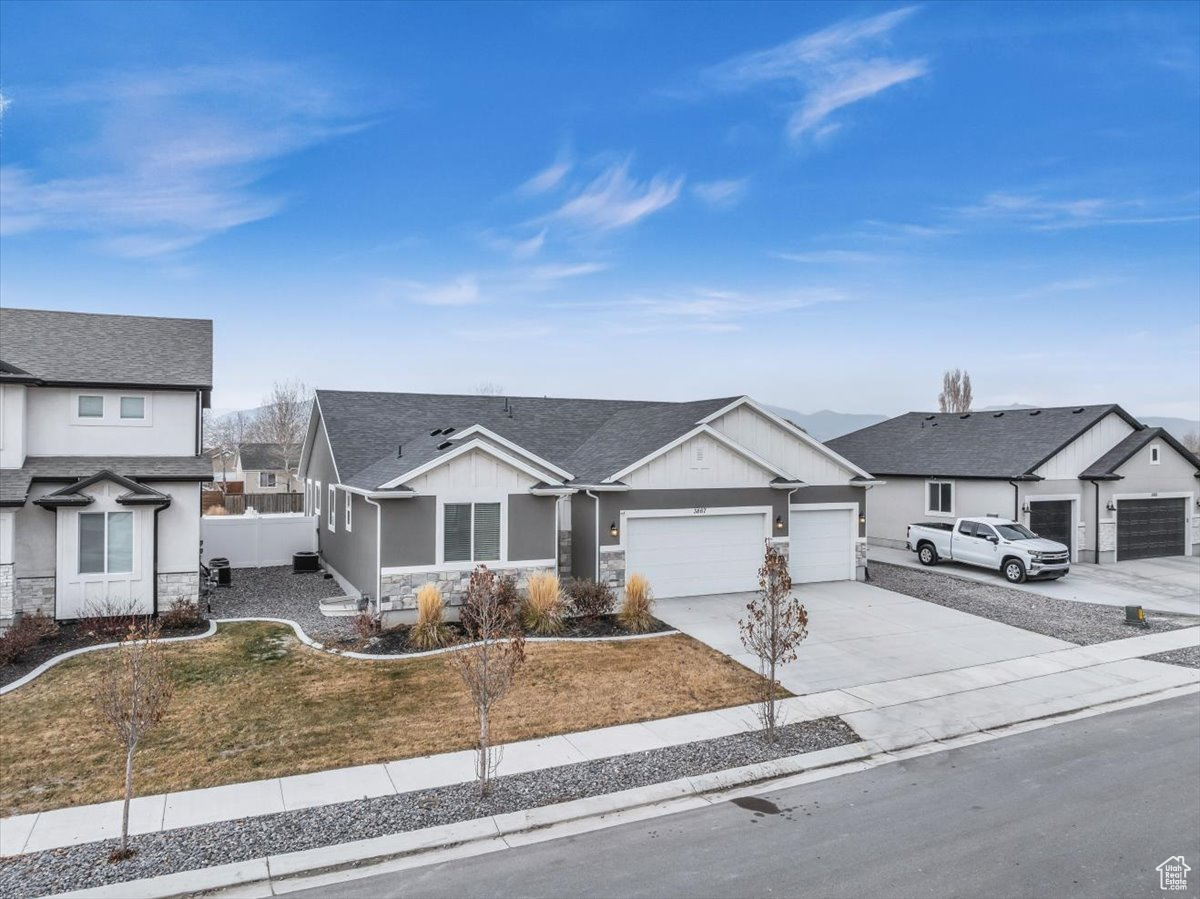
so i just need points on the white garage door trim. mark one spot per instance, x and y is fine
(763, 513)
(851, 510)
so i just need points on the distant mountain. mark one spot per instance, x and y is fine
(827, 424)
(1178, 427)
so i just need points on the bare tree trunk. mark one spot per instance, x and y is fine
(484, 762)
(128, 796)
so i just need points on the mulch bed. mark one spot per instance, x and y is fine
(396, 640)
(71, 635)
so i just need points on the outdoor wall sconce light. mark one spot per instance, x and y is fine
(862, 519)
(1112, 507)
(1025, 508)
(779, 522)
(612, 529)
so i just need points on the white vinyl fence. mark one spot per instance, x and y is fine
(256, 541)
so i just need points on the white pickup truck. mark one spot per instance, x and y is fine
(996, 543)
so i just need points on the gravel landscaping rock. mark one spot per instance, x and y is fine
(1075, 622)
(281, 593)
(80, 867)
(1188, 657)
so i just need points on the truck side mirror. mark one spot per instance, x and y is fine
(993, 539)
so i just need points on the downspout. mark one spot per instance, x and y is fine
(557, 528)
(596, 576)
(1096, 524)
(1016, 501)
(378, 552)
(157, 509)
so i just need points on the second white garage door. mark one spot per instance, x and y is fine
(696, 555)
(820, 547)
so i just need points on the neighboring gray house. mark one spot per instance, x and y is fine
(1092, 477)
(100, 460)
(410, 488)
(262, 469)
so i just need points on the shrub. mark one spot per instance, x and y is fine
(43, 626)
(365, 626)
(109, 619)
(15, 642)
(430, 631)
(505, 601)
(635, 610)
(216, 510)
(183, 613)
(543, 612)
(590, 600)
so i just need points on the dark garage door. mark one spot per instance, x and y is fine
(1052, 519)
(1149, 528)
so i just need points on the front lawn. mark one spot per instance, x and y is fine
(253, 702)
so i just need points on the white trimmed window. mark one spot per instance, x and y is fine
(133, 407)
(939, 498)
(1155, 455)
(89, 405)
(471, 532)
(317, 500)
(332, 508)
(266, 479)
(349, 507)
(105, 542)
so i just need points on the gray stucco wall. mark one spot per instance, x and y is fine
(531, 529)
(34, 536)
(409, 531)
(583, 536)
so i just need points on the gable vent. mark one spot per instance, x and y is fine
(435, 433)
(997, 415)
(445, 445)
(1036, 412)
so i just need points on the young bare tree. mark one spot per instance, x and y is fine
(489, 664)
(775, 624)
(284, 420)
(488, 388)
(1191, 442)
(956, 392)
(131, 694)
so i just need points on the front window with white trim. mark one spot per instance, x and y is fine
(939, 498)
(349, 506)
(317, 501)
(105, 542)
(133, 407)
(471, 532)
(1155, 455)
(332, 508)
(90, 406)
(266, 479)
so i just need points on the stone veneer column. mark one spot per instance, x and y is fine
(33, 594)
(612, 568)
(6, 593)
(177, 587)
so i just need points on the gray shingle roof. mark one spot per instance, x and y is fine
(14, 482)
(1008, 444)
(592, 439)
(261, 456)
(1105, 468)
(77, 347)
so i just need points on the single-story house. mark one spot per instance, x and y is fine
(1091, 477)
(410, 488)
(262, 468)
(100, 461)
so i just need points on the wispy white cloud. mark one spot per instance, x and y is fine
(721, 194)
(174, 156)
(714, 309)
(834, 257)
(1041, 213)
(564, 271)
(615, 200)
(829, 69)
(462, 290)
(550, 177)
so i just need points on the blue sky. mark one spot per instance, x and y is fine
(821, 205)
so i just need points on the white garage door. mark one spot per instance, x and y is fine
(696, 555)
(820, 545)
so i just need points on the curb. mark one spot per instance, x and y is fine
(320, 647)
(335, 864)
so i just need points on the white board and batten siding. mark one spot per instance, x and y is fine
(472, 471)
(257, 541)
(701, 461)
(1085, 449)
(781, 447)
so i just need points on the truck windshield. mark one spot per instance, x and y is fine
(1015, 532)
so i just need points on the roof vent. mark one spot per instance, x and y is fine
(997, 415)
(399, 450)
(445, 445)
(1077, 411)
(435, 433)
(447, 431)
(1036, 412)
(967, 415)
(934, 425)
(930, 417)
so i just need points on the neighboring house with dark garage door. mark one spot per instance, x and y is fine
(410, 488)
(1092, 477)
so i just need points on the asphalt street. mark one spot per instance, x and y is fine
(1087, 808)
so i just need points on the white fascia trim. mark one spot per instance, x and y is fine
(462, 450)
(466, 566)
(552, 491)
(787, 425)
(602, 488)
(317, 413)
(708, 431)
(515, 447)
(380, 494)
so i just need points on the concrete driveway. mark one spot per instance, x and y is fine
(859, 634)
(1167, 585)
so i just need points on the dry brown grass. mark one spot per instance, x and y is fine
(253, 702)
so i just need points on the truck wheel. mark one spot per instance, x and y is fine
(1014, 571)
(927, 554)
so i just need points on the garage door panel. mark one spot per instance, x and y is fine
(820, 545)
(1150, 528)
(696, 555)
(1052, 519)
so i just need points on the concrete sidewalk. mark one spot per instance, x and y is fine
(892, 713)
(1165, 585)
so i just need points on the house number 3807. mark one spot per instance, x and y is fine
(699, 510)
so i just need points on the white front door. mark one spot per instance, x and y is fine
(105, 557)
(696, 554)
(821, 545)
